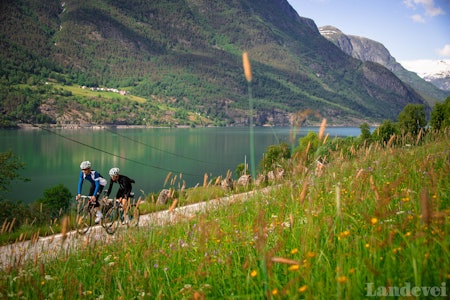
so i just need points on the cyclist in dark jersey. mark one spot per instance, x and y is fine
(125, 187)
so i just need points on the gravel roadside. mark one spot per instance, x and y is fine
(46, 248)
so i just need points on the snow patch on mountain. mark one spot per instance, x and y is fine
(426, 68)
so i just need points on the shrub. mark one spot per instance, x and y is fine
(56, 201)
(275, 156)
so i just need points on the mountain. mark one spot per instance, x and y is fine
(366, 49)
(436, 72)
(182, 60)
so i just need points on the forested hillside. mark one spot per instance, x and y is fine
(180, 63)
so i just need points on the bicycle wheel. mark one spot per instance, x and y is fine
(110, 220)
(133, 214)
(84, 218)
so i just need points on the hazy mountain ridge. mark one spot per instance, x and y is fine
(187, 55)
(366, 49)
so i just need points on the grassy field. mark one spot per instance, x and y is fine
(87, 92)
(372, 226)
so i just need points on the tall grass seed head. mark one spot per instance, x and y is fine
(247, 67)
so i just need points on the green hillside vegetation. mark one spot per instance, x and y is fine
(186, 56)
(374, 216)
(70, 104)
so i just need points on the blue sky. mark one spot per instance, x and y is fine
(409, 29)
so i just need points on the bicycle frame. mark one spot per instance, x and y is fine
(110, 221)
(126, 212)
(85, 215)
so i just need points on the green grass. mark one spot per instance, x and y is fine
(87, 92)
(377, 220)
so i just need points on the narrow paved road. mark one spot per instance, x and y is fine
(46, 248)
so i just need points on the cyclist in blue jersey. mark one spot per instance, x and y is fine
(97, 185)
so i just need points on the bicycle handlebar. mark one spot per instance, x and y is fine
(83, 197)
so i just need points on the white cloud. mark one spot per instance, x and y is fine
(430, 9)
(428, 6)
(444, 51)
(418, 18)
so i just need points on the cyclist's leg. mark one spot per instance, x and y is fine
(120, 193)
(100, 190)
(91, 190)
(98, 214)
(121, 197)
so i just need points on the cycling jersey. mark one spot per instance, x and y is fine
(96, 180)
(124, 187)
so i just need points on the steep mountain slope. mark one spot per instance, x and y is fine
(186, 54)
(366, 49)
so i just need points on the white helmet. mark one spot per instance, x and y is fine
(114, 172)
(85, 164)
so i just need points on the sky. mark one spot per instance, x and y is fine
(411, 30)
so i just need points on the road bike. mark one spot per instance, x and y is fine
(85, 216)
(132, 212)
(116, 212)
(110, 221)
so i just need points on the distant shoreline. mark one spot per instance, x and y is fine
(25, 126)
(96, 127)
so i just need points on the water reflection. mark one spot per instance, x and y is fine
(146, 155)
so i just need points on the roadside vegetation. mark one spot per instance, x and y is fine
(352, 218)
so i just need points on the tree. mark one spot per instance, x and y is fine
(274, 156)
(366, 135)
(440, 115)
(14, 213)
(412, 119)
(311, 140)
(56, 201)
(9, 165)
(385, 131)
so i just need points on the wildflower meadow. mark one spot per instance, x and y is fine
(370, 225)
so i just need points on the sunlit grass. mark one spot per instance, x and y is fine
(79, 91)
(390, 228)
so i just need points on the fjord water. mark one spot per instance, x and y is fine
(147, 155)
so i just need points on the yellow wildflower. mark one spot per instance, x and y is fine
(343, 234)
(302, 289)
(342, 279)
(311, 254)
(294, 268)
(253, 273)
(374, 221)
